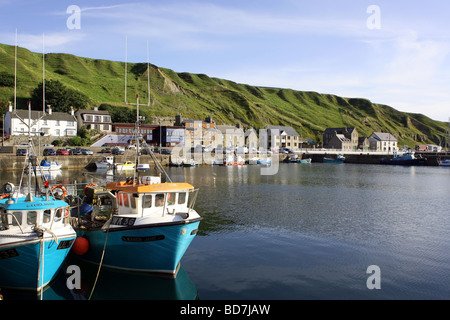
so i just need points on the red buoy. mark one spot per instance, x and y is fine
(80, 246)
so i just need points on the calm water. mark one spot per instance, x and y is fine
(308, 232)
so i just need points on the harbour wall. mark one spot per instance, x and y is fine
(11, 162)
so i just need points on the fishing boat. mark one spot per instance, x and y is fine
(106, 162)
(142, 167)
(149, 226)
(50, 165)
(35, 234)
(240, 161)
(190, 163)
(127, 165)
(307, 160)
(338, 159)
(406, 159)
(445, 163)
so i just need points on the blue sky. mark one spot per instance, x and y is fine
(396, 55)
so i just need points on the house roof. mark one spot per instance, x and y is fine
(342, 138)
(84, 111)
(37, 114)
(343, 130)
(289, 130)
(381, 136)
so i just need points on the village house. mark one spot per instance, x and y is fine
(332, 138)
(380, 141)
(251, 140)
(232, 137)
(94, 119)
(197, 131)
(57, 124)
(281, 137)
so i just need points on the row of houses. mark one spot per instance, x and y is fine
(348, 139)
(185, 132)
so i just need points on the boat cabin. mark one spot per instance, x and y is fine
(26, 216)
(153, 199)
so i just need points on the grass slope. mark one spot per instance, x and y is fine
(197, 96)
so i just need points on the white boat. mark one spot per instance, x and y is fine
(142, 167)
(127, 165)
(106, 162)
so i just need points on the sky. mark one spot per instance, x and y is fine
(390, 52)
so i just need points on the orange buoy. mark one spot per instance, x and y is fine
(80, 246)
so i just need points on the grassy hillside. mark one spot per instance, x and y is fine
(197, 96)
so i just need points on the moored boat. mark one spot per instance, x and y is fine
(445, 163)
(127, 165)
(406, 159)
(338, 159)
(106, 162)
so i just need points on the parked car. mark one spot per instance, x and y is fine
(105, 150)
(86, 152)
(49, 152)
(286, 150)
(21, 152)
(62, 152)
(47, 145)
(75, 152)
(117, 151)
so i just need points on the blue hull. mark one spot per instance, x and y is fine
(19, 265)
(144, 249)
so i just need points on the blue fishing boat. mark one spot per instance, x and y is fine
(445, 163)
(338, 159)
(35, 233)
(406, 159)
(148, 229)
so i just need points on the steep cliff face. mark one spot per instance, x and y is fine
(197, 96)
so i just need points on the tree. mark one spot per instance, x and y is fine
(59, 97)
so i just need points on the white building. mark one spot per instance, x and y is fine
(380, 141)
(58, 124)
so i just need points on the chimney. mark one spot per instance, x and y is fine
(10, 108)
(72, 113)
(49, 109)
(95, 108)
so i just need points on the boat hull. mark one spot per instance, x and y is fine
(331, 160)
(150, 248)
(23, 267)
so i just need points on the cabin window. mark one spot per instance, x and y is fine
(58, 215)
(182, 198)
(18, 216)
(125, 200)
(171, 198)
(147, 201)
(47, 216)
(31, 217)
(159, 200)
(132, 201)
(119, 199)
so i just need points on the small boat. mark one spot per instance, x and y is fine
(106, 162)
(128, 165)
(265, 162)
(308, 160)
(228, 161)
(142, 167)
(239, 161)
(339, 159)
(190, 163)
(445, 163)
(406, 159)
(50, 165)
(291, 159)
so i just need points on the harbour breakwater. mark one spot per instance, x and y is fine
(10, 162)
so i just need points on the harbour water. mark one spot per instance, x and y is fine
(310, 231)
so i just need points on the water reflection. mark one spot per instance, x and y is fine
(112, 285)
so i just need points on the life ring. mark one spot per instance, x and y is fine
(58, 186)
(89, 185)
(3, 196)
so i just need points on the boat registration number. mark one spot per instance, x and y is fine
(10, 253)
(123, 221)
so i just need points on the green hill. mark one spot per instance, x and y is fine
(197, 96)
